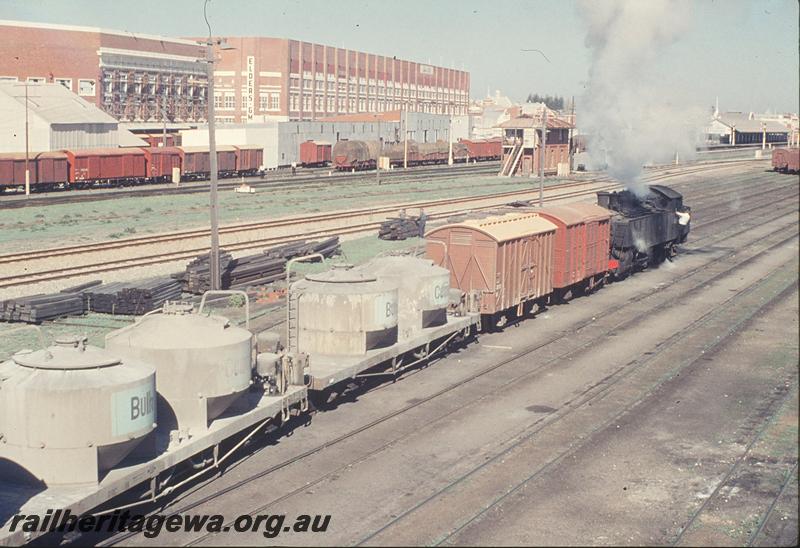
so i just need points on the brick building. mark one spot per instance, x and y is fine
(260, 78)
(133, 77)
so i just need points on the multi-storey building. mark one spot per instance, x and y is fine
(258, 78)
(133, 77)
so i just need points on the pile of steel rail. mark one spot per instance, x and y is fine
(399, 228)
(132, 298)
(37, 308)
(257, 269)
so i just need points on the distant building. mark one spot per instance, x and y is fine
(281, 140)
(132, 77)
(522, 145)
(740, 128)
(262, 78)
(57, 119)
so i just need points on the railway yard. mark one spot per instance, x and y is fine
(262, 291)
(660, 409)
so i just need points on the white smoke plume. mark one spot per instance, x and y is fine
(629, 111)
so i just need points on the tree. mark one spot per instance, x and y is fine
(554, 102)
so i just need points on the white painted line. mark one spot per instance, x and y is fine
(497, 347)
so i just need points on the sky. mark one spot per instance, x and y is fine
(743, 52)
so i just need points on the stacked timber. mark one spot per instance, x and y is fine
(260, 268)
(38, 308)
(132, 298)
(399, 228)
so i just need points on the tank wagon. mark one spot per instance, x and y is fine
(786, 160)
(124, 166)
(201, 387)
(364, 154)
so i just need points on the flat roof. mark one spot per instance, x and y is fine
(97, 30)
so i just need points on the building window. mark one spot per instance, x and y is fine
(86, 88)
(331, 104)
(306, 83)
(294, 82)
(66, 82)
(36, 80)
(352, 88)
(294, 102)
(306, 102)
(217, 100)
(263, 102)
(362, 89)
(8, 79)
(230, 100)
(275, 101)
(320, 85)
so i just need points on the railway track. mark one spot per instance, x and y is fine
(642, 302)
(358, 225)
(460, 205)
(304, 180)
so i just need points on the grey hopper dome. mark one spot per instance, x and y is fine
(70, 412)
(423, 291)
(342, 312)
(203, 364)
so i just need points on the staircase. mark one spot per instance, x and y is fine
(512, 161)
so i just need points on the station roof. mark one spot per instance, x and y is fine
(55, 104)
(503, 228)
(744, 124)
(530, 122)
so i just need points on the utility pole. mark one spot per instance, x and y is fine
(450, 142)
(378, 160)
(27, 149)
(405, 138)
(542, 155)
(763, 135)
(164, 119)
(212, 151)
(571, 133)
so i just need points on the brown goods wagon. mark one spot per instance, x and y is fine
(505, 259)
(195, 160)
(786, 159)
(101, 164)
(581, 244)
(315, 153)
(52, 167)
(161, 160)
(226, 159)
(484, 149)
(249, 158)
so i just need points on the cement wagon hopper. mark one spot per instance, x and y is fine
(342, 312)
(71, 412)
(423, 291)
(203, 364)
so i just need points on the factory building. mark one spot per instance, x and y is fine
(57, 119)
(132, 77)
(261, 78)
